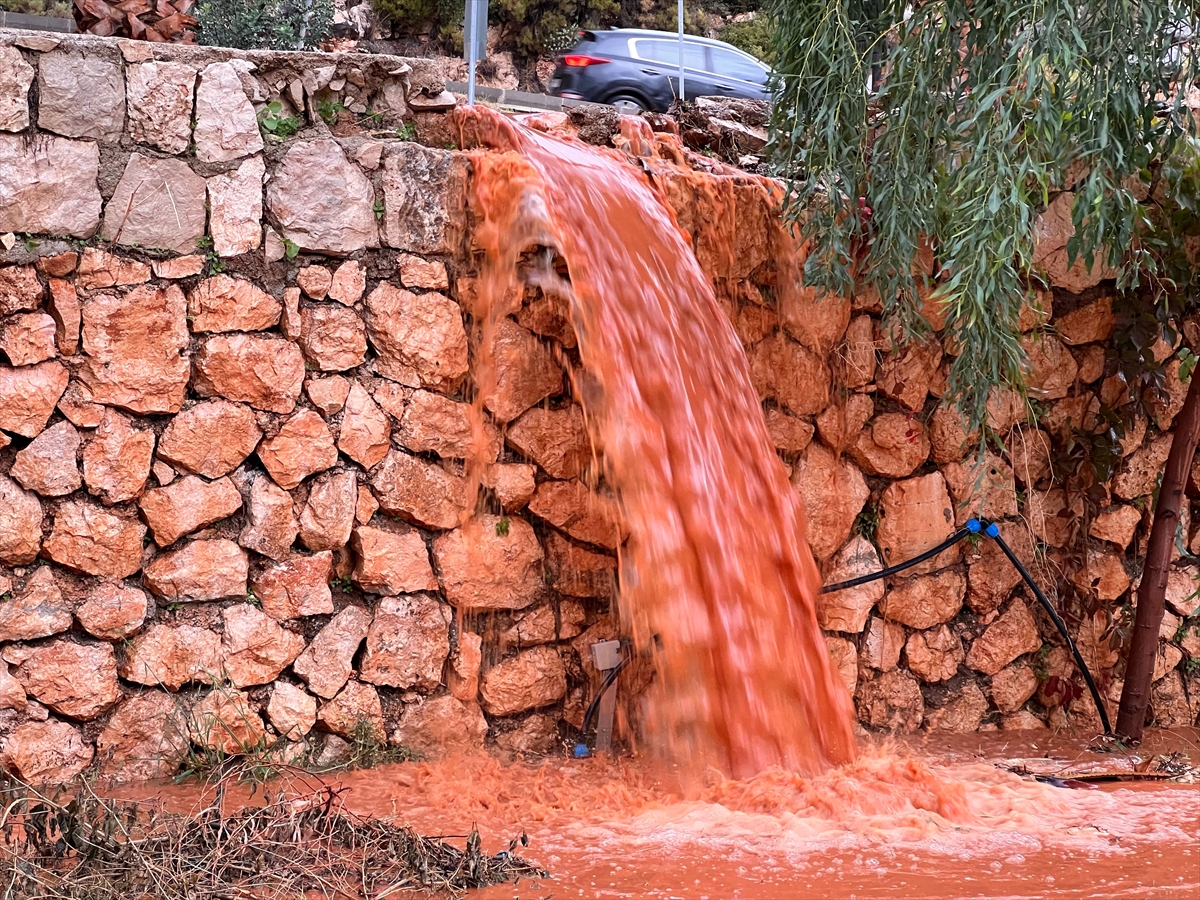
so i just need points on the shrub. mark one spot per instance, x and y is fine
(264, 24)
(754, 36)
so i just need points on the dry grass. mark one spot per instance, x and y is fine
(78, 845)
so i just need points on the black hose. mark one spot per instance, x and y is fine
(994, 533)
(604, 686)
(900, 567)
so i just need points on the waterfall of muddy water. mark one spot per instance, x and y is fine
(718, 562)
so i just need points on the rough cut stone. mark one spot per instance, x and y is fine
(223, 303)
(365, 506)
(408, 643)
(365, 435)
(556, 439)
(254, 649)
(49, 464)
(891, 701)
(907, 374)
(314, 281)
(137, 349)
(419, 338)
(264, 372)
(1030, 451)
(1052, 231)
(333, 337)
(100, 269)
(302, 447)
(188, 505)
(1050, 518)
(326, 663)
(462, 675)
(924, 601)
(990, 575)
(235, 208)
(947, 434)
(178, 267)
(112, 611)
(81, 95)
(844, 655)
(531, 679)
(28, 339)
(296, 587)
(847, 610)
(525, 372)
(226, 127)
(355, 704)
(158, 203)
(577, 572)
(915, 515)
(224, 721)
(415, 272)
(1091, 323)
(16, 75)
(934, 655)
(144, 740)
(20, 524)
(795, 376)
(490, 565)
(349, 283)
(328, 515)
(388, 563)
(1011, 635)
(50, 752)
(788, 434)
(546, 623)
(533, 735)
(832, 492)
(1182, 593)
(440, 724)
(856, 364)
(60, 265)
(20, 289)
(983, 489)
(419, 492)
(424, 196)
(159, 98)
(75, 680)
(65, 315)
(116, 461)
(585, 516)
(814, 317)
(48, 186)
(893, 446)
(199, 570)
(960, 715)
(842, 421)
(1138, 475)
(1012, 686)
(1102, 575)
(328, 395)
(76, 404)
(87, 538)
(1052, 368)
(882, 644)
(210, 439)
(292, 711)
(271, 526)
(170, 656)
(28, 396)
(322, 201)
(432, 423)
(512, 483)
(35, 611)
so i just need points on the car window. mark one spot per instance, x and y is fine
(667, 52)
(734, 65)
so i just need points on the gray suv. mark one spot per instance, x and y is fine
(635, 70)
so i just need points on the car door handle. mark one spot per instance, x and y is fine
(724, 87)
(651, 72)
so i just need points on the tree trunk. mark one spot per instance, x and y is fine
(1139, 670)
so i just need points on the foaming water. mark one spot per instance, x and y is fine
(718, 560)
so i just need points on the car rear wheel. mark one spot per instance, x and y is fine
(628, 104)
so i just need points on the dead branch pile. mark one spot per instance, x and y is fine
(85, 847)
(164, 21)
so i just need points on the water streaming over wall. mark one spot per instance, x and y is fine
(718, 562)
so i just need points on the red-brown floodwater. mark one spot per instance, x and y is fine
(927, 818)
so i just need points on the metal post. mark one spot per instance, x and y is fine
(682, 95)
(474, 40)
(607, 656)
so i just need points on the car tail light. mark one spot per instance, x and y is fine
(581, 62)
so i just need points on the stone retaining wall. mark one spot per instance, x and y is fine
(234, 373)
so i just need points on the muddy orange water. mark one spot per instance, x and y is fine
(718, 561)
(929, 818)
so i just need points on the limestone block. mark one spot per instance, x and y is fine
(48, 186)
(16, 75)
(159, 98)
(226, 127)
(158, 203)
(323, 202)
(81, 95)
(424, 193)
(235, 208)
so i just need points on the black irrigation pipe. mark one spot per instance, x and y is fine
(977, 526)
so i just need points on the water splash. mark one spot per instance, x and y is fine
(718, 561)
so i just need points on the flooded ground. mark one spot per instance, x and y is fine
(931, 817)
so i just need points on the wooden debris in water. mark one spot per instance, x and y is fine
(78, 845)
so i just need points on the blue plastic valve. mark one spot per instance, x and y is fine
(993, 530)
(973, 526)
(582, 751)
